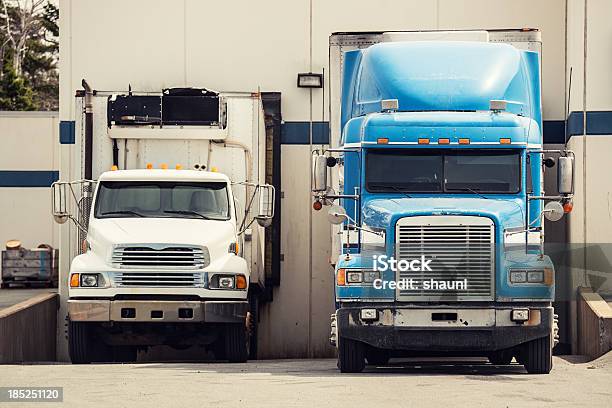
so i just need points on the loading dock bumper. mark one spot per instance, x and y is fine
(474, 330)
(157, 311)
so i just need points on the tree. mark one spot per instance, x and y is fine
(14, 93)
(29, 52)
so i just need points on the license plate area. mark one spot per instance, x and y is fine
(444, 318)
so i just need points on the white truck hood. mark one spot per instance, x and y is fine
(215, 235)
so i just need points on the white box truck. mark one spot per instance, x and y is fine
(169, 209)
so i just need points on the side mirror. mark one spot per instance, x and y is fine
(59, 205)
(266, 205)
(336, 215)
(553, 211)
(565, 175)
(319, 173)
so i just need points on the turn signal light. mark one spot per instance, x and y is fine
(341, 277)
(443, 141)
(464, 141)
(382, 140)
(74, 280)
(505, 140)
(568, 207)
(423, 141)
(241, 282)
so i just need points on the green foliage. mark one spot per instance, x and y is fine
(35, 85)
(14, 93)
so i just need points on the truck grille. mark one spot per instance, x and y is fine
(160, 256)
(461, 247)
(157, 279)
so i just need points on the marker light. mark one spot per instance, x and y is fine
(149, 166)
(505, 140)
(443, 141)
(568, 207)
(341, 277)
(241, 282)
(214, 169)
(74, 280)
(179, 167)
(317, 205)
(164, 166)
(423, 141)
(114, 167)
(464, 141)
(382, 140)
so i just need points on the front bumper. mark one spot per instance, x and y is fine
(157, 311)
(414, 329)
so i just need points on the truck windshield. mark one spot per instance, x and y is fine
(204, 200)
(443, 171)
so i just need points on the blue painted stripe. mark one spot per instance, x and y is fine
(28, 178)
(298, 133)
(66, 132)
(598, 123)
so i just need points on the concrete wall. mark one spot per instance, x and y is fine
(28, 329)
(28, 157)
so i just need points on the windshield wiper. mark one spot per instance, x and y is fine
(471, 190)
(129, 212)
(187, 212)
(394, 188)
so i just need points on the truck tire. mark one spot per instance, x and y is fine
(253, 323)
(351, 355)
(376, 356)
(236, 343)
(80, 347)
(500, 357)
(538, 356)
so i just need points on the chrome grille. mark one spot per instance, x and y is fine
(160, 256)
(157, 279)
(461, 247)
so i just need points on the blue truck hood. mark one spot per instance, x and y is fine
(384, 212)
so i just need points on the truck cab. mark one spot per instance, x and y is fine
(169, 216)
(440, 205)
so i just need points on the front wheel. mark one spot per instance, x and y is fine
(236, 343)
(351, 355)
(538, 356)
(80, 344)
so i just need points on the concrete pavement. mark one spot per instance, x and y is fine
(311, 383)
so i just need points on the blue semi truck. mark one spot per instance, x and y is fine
(435, 190)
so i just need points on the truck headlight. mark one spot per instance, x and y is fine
(89, 280)
(518, 276)
(220, 281)
(354, 277)
(535, 276)
(359, 276)
(542, 276)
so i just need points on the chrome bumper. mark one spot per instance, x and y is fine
(157, 311)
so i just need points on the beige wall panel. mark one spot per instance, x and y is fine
(547, 15)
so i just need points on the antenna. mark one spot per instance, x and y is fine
(567, 108)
